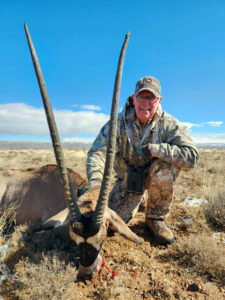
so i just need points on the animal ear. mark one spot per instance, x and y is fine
(60, 219)
(118, 225)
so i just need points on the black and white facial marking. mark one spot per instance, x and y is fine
(89, 239)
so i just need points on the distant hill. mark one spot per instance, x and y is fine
(26, 145)
(211, 145)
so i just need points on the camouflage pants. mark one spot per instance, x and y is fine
(159, 179)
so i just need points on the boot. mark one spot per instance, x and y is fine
(161, 233)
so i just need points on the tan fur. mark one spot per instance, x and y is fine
(36, 194)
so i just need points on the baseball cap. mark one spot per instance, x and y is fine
(148, 83)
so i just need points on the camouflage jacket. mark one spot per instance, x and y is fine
(170, 141)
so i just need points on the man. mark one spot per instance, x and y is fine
(152, 147)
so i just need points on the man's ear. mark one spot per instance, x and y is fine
(160, 99)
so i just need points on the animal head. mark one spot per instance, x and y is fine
(87, 235)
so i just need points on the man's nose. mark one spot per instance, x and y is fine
(146, 104)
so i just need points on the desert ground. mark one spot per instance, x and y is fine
(44, 266)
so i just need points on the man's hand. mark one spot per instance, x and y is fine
(144, 151)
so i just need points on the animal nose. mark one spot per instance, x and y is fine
(83, 277)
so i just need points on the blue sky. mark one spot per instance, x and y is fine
(78, 43)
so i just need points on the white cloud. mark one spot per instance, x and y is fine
(210, 123)
(214, 123)
(209, 138)
(90, 107)
(22, 119)
(190, 125)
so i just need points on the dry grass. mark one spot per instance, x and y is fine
(42, 264)
(22, 159)
(7, 219)
(45, 267)
(213, 189)
(49, 279)
(207, 181)
(215, 209)
(202, 255)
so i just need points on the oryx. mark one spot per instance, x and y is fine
(33, 195)
(88, 217)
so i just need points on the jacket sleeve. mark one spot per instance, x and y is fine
(177, 147)
(97, 154)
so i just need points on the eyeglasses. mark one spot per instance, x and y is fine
(143, 99)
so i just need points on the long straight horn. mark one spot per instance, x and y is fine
(104, 192)
(74, 210)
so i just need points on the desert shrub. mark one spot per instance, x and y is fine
(215, 209)
(7, 218)
(197, 176)
(209, 167)
(202, 255)
(47, 280)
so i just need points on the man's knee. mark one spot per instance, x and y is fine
(160, 172)
(124, 203)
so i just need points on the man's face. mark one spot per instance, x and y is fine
(145, 104)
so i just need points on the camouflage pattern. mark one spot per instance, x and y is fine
(150, 84)
(159, 179)
(159, 182)
(171, 146)
(125, 204)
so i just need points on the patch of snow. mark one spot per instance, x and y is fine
(187, 220)
(194, 202)
(219, 235)
(216, 234)
(4, 273)
(3, 250)
(2, 278)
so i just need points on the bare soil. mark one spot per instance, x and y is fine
(193, 267)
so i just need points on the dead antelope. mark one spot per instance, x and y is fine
(88, 217)
(34, 195)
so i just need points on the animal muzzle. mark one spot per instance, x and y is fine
(88, 254)
(87, 272)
